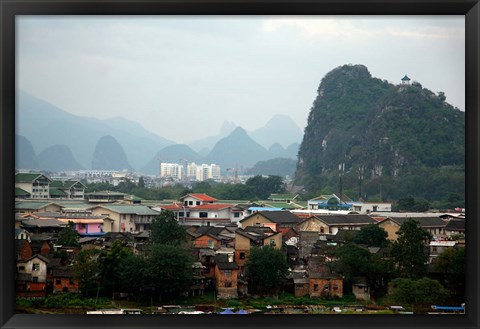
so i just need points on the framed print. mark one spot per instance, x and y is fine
(182, 163)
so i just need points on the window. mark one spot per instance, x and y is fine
(210, 243)
(36, 267)
(335, 287)
(375, 208)
(124, 216)
(190, 203)
(82, 226)
(58, 281)
(322, 230)
(185, 203)
(326, 287)
(71, 282)
(315, 287)
(227, 272)
(272, 242)
(203, 214)
(299, 286)
(21, 268)
(181, 214)
(236, 214)
(242, 255)
(188, 214)
(35, 279)
(228, 284)
(198, 203)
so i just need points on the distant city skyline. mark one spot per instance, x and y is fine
(182, 77)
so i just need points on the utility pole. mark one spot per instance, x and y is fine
(361, 171)
(341, 170)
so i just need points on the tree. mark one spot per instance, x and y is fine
(110, 265)
(68, 236)
(86, 269)
(410, 251)
(166, 230)
(372, 236)
(266, 269)
(168, 271)
(264, 186)
(412, 204)
(141, 182)
(451, 263)
(132, 273)
(422, 291)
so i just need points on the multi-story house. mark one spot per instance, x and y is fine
(331, 224)
(33, 185)
(67, 189)
(126, 218)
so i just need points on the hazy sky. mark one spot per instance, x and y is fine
(181, 77)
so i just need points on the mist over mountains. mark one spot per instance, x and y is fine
(49, 138)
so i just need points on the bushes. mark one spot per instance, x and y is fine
(62, 300)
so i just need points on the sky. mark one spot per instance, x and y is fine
(181, 77)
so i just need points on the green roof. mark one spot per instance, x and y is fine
(26, 205)
(105, 193)
(65, 184)
(405, 78)
(21, 192)
(130, 209)
(29, 177)
(275, 196)
(56, 191)
(283, 205)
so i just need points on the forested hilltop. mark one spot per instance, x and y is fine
(394, 141)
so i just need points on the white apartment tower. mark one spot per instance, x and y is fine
(172, 170)
(203, 172)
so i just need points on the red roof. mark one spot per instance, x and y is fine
(201, 196)
(211, 206)
(171, 207)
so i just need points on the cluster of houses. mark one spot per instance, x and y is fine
(220, 234)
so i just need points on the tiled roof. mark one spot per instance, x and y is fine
(25, 205)
(21, 192)
(171, 207)
(211, 206)
(28, 177)
(130, 209)
(43, 223)
(346, 219)
(56, 191)
(275, 196)
(105, 193)
(279, 217)
(456, 225)
(422, 221)
(200, 196)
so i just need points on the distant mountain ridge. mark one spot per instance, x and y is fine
(42, 127)
(46, 125)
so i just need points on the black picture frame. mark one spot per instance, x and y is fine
(11, 8)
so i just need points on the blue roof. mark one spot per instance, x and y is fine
(264, 209)
(449, 308)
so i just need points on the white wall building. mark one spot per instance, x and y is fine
(171, 170)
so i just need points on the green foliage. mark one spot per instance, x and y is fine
(278, 166)
(168, 272)
(407, 139)
(412, 204)
(110, 275)
(410, 250)
(452, 262)
(166, 230)
(141, 182)
(68, 236)
(423, 291)
(87, 268)
(264, 186)
(372, 236)
(266, 269)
